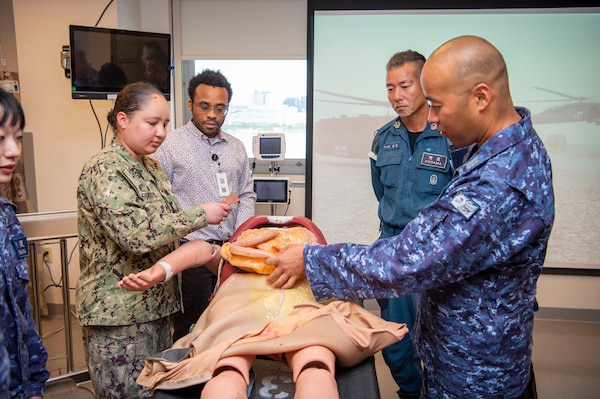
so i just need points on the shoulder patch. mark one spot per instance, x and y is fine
(466, 206)
(20, 246)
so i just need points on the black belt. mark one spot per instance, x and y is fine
(217, 242)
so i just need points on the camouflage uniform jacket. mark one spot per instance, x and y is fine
(21, 340)
(128, 219)
(474, 255)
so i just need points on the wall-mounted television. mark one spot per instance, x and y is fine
(104, 60)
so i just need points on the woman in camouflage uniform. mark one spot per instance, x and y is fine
(128, 219)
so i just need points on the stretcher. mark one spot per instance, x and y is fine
(272, 379)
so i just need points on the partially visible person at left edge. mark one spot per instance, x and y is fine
(4, 368)
(21, 348)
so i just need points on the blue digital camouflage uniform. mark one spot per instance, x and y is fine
(404, 181)
(20, 338)
(4, 368)
(474, 255)
(128, 219)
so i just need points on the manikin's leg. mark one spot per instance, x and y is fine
(230, 379)
(314, 373)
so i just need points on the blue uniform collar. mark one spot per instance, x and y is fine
(500, 141)
(397, 128)
(6, 202)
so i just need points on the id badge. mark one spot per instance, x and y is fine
(223, 184)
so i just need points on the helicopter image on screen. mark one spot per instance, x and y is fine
(347, 136)
(351, 136)
(576, 110)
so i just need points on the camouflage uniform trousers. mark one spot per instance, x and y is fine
(115, 356)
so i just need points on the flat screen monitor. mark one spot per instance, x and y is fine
(104, 60)
(269, 146)
(271, 190)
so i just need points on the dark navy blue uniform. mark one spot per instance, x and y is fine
(404, 181)
(28, 373)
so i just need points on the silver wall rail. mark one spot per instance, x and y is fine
(50, 229)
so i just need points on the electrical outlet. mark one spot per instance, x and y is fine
(47, 254)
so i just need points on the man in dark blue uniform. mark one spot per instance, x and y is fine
(410, 165)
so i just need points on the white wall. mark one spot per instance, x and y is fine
(9, 47)
(65, 131)
(569, 292)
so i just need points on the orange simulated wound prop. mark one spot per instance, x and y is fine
(253, 247)
(231, 199)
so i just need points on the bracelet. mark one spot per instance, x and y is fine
(168, 270)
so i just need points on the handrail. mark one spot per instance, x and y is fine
(43, 229)
(32, 260)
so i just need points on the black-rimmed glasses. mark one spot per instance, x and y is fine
(220, 110)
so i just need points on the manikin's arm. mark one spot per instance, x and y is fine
(191, 254)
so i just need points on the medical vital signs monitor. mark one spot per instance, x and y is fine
(269, 146)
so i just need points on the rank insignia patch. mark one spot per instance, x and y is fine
(464, 205)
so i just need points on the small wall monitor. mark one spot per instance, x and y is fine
(269, 146)
(271, 190)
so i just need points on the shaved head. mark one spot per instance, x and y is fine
(466, 83)
(469, 60)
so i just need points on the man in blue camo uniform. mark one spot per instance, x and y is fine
(410, 165)
(475, 254)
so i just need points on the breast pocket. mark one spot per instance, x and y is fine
(388, 162)
(22, 272)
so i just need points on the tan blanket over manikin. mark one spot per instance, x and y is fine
(249, 317)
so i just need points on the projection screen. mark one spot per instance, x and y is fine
(552, 56)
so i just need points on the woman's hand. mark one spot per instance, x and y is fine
(216, 212)
(145, 279)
